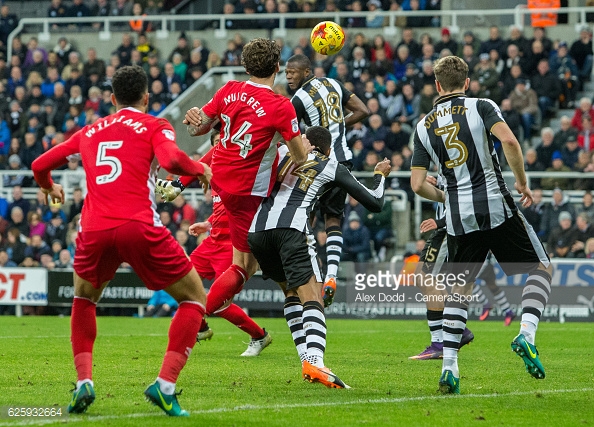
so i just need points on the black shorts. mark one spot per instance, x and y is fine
(514, 244)
(286, 255)
(431, 251)
(333, 201)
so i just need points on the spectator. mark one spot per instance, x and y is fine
(533, 58)
(124, 50)
(565, 132)
(56, 229)
(513, 58)
(93, 65)
(53, 77)
(231, 56)
(375, 131)
(468, 54)
(512, 117)
(183, 238)
(54, 208)
(509, 82)
(589, 249)
(406, 107)
(416, 21)
(547, 88)
(37, 248)
(5, 260)
(8, 22)
(57, 10)
(585, 138)
(171, 76)
(402, 59)
(494, 42)
(516, 38)
(12, 179)
(552, 181)
(356, 240)
(76, 205)
(74, 62)
(539, 33)
(18, 220)
(585, 108)
(101, 8)
(122, 8)
(587, 206)
(531, 164)
(36, 226)
(562, 237)
(565, 68)
(15, 246)
(488, 78)
(64, 259)
(377, 19)
(161, 304)
(397, 137)
(525, 102)
(584, 165)
(550, 217)
(570, 152)
(409, 41)
(139, 25)
(78, 10)
(412, 78)
(581, 52)
(535, 211)
(380, 229)
(446, 42)
(582, 233)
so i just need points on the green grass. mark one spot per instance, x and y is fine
(222, 389)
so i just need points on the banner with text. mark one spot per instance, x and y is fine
(25, 286)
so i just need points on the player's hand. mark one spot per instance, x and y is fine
(431, 180)
(192, 117)
(306, 144)
(384, 167)
(56, 194)
(526, 200)
(198, 228)
(428, 225)
(206, 177)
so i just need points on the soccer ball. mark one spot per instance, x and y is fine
(327, 38)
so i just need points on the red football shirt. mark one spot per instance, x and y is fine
(251, 116)
(118, 154)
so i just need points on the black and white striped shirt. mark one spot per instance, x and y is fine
(319, 102)
(297, 188)
(456, 136)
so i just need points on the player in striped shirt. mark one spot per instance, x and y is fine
(281, 240)
(481, 215)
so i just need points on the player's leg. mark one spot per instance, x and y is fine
(95, 264)
(520, 252)
(488, 275)
(293, 311)
(332, 207)
(467, 254)
(479, 297)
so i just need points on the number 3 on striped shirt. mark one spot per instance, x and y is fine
(452, 141)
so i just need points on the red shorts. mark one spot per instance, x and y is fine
(240, 211)
(153, 253)
(211, 259)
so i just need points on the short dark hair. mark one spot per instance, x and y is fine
(213, 135)
(319, 137)
(129, 85)
(260, 57)
(300, 61)
(451, 72)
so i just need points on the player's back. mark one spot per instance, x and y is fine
(119, 161)
(294, 193)
(322, 100)
(251, 115)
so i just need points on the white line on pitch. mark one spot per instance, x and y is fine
(240, 408)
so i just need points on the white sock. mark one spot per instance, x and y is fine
(528, 329)
(450, 361)
(79, 383)
(166, 386)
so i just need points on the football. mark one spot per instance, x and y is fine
(327, 38)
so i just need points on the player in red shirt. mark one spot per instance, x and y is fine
(126, 147)
(212, 257)
(253, 119)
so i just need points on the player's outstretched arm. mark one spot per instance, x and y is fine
(372, 200)
(515, 159)
(358, 111)
(175, 161)
(297, 150)
(198, 122)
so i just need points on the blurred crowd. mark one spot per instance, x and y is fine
(48, 92)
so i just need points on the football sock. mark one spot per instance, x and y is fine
(225, 287)
(454, 322)
(81, 382)
(167, 387)
(501, 301)
(294, 317)
(478, 295)
(314, 326)
(534, 299)
(333, 250)
(239, 318)
(435, 321)
(83, 331)
(182, 337)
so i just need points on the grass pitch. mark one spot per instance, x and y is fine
(222, 389)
